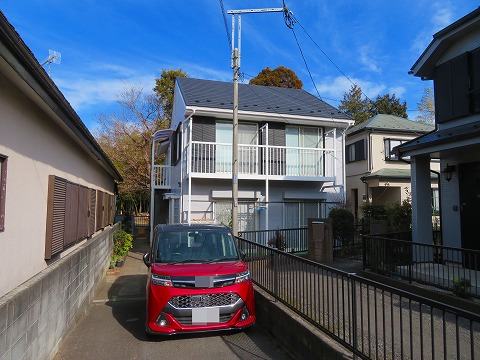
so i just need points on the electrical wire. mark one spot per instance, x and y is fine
(229, 37)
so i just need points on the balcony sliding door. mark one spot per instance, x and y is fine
(247, 149)
(301, 161)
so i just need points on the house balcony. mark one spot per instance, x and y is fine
(261, 162)
(161, 176)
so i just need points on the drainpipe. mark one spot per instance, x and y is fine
(267, 189)
(188, 165)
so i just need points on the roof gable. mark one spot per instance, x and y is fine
(390, 123)
(442, 41)
(255, 98)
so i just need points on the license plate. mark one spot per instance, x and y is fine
(206, 315)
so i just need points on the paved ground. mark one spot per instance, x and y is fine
(114, 327)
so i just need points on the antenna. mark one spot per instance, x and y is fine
(53, 57)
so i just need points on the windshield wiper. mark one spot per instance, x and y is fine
(222, 259)
(187, 261)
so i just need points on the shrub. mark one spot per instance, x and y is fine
(278, 241)
(343, 225)
(461, 286)
(122, 243)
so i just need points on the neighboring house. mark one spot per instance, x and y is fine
(452, 61)
(291, 151)
(57, 190)
(375, 174)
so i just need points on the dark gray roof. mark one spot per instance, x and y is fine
(391, 123)
(263, 99)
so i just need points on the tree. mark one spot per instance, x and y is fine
(426, 107)
(126, 137)
(363, 109)
(356, 107)
(279, 77)
(164, 89)
(390, 105)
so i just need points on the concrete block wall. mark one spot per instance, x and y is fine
(35, 316)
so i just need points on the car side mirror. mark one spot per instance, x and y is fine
(146, 260)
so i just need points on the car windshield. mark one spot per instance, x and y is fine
(203, 245)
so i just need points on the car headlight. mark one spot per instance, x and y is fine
(243, 276)
(161, 280)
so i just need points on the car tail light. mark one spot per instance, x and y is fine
(241, 277)
(161, 280)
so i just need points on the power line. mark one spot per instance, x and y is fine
(229, 37)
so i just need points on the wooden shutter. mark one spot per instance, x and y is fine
(91, 212)
(57, 190)
(451, 89)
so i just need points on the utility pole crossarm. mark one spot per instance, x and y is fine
(245, 11)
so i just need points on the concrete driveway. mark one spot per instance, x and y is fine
(114, 327)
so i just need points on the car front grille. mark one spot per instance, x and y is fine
(203, 300)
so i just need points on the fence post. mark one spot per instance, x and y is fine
(354, 314)
(275, 274)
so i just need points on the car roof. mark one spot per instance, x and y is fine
(191, 227)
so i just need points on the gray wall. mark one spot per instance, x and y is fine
(35, 316)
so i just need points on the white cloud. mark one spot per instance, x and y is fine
(336, 87)
(368, 59)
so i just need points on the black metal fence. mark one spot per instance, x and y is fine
(295, 240)
(455, 269)
(372, 320)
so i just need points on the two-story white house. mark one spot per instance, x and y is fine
(375, 174)
(290, 154)
(452, 61)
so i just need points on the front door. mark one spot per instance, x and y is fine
(470, 208)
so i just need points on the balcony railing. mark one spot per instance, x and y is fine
(161, 176)
(216, 158)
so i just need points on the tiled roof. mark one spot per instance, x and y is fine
(255, 98)
(390, 123)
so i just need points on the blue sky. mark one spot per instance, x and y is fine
(107, 45)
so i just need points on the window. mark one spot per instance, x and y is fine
(247, 155)
(356, 151)
(457, 87)
(300, 160)
(389, 145)
(3, 189)
(296, 215)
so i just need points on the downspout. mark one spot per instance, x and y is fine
(189, 159)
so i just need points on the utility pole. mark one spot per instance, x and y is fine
(236, 72)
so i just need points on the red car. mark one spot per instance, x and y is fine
(197, 281)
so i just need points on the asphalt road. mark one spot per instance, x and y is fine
(114, 327)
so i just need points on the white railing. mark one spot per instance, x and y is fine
(161, 176)
(216, 158)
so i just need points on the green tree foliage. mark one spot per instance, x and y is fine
(164, 89)
(126, 137)
(355, 106)
(426, 107)
(343, 225)
(360, 108)
(279, 77)
(390, 105)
